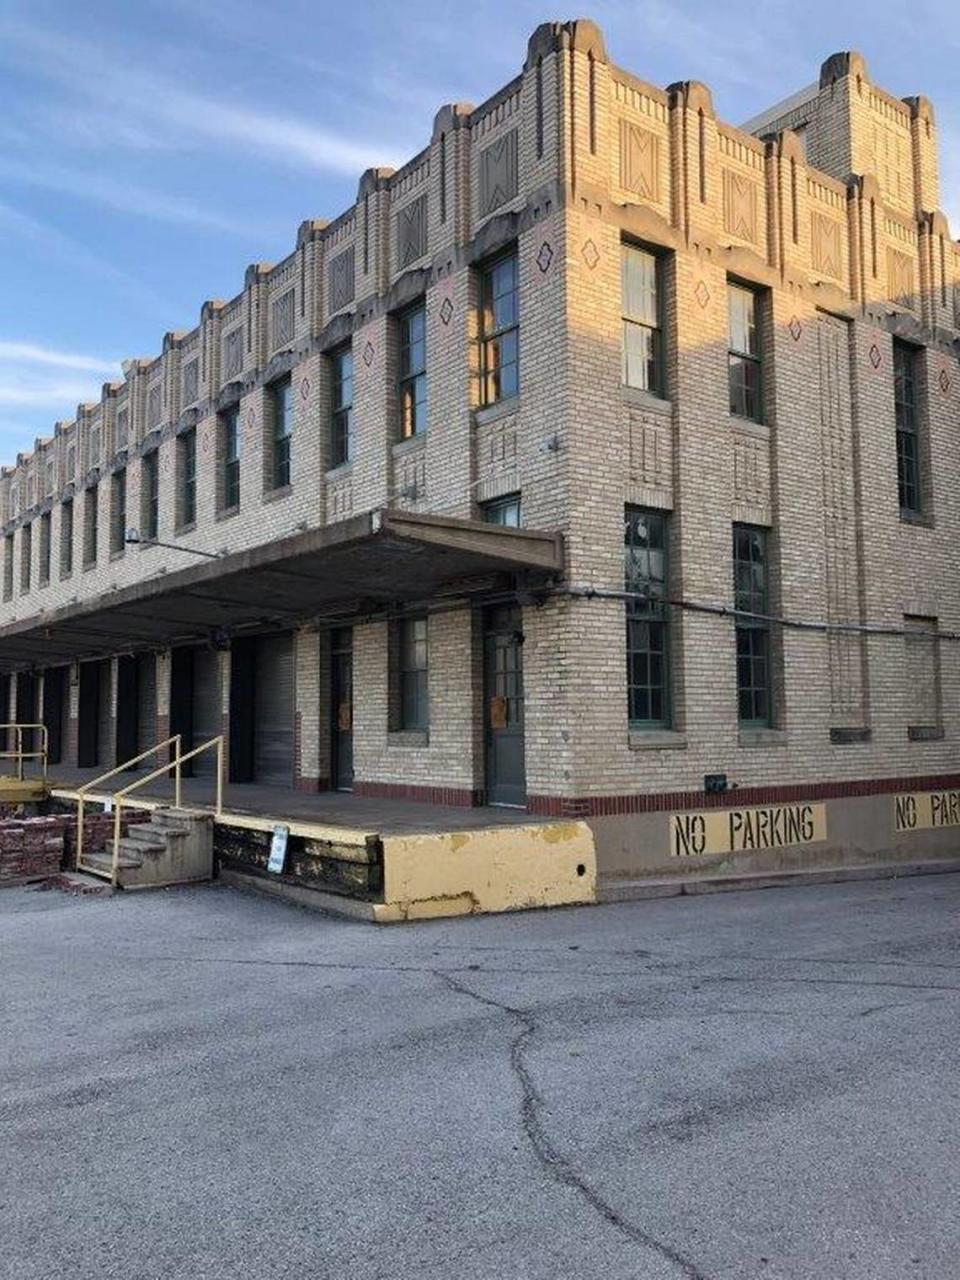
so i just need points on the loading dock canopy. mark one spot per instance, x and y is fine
(381, 559)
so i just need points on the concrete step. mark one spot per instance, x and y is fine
(80, 885)
(147, 837)
(129, 860)
(173, 820)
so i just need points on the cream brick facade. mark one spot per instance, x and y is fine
(831, 212)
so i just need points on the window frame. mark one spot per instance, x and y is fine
(118, 512)
(738, 357)
(753, 638)
(497, 506)
(907, 417)
(9, 573)
(26, 558)
(653, 613)
(67, 514)
(411, 380)
(228, 489)
(46, 549)
(413, 674)
(91, 525)
(656, 385)
(186, 479)
(150, 496)
(341, 410)
(280, 474)
(492, 334)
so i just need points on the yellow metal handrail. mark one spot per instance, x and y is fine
(83, 791)
(19, 754)
(120, 796)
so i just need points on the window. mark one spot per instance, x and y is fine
(414, 713)
(150, 496)
(413, 372)
(229, 495)
(341, 434)
(648, 618)
(280, 413)
(751, 594)
(66, 538)
(118, 512)
(499, 331)
(922, 670)
(187, 478)
(746, 400)
(26, 557)
(905, 360)
(8, 567)
(642, 337)
(502, 511)
(90, 525)
(44, 570)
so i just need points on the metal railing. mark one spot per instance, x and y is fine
(119, 797)
(87, 787)
(18, 752)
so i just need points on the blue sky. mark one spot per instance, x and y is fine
(150, 149)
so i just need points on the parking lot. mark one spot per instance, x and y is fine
(204, 1083)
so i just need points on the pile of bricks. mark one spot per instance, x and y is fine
(34, 848)
(30, 848)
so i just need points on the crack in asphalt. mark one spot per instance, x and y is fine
(549, 1156)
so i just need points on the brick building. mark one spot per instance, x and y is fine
(599, 459)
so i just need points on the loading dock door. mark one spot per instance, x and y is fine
(87, 757)
(4, 709)
(54, 711)
(27, 701)
(206, 708)
(273, 741)
(127, 741)
(106, 729)
(147, 705)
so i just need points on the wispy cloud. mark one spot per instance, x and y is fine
(30, 353)
(35, 377)
(141, 99)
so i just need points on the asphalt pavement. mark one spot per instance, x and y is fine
(205, 1084)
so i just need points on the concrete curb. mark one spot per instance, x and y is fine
(675, 886)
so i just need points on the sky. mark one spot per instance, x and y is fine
(151, 149)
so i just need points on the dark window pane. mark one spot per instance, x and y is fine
(647, 616)
(499, 317)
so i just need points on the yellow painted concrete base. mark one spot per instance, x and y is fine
(22, 790)
(461, 873)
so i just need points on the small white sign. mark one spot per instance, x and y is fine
(278, 849)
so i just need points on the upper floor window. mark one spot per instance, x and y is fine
(642, 334)
(229, 488)
(499, 331)
(118, 512)
(45, 529)
(413, 371)
(91, 524)
(745, 354)
(341, 422)
(504, 511)
(905, 380)
(280, 416)
(648, 618)
(8, 567)
(751, 595)
(66, 538)
(26, 557)
(187, 478)
(150, 496)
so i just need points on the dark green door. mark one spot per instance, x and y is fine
(503, 706)
(341, 708)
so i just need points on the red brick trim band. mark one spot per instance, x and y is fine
(662, 802)
(459, 796)
(310, 785)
